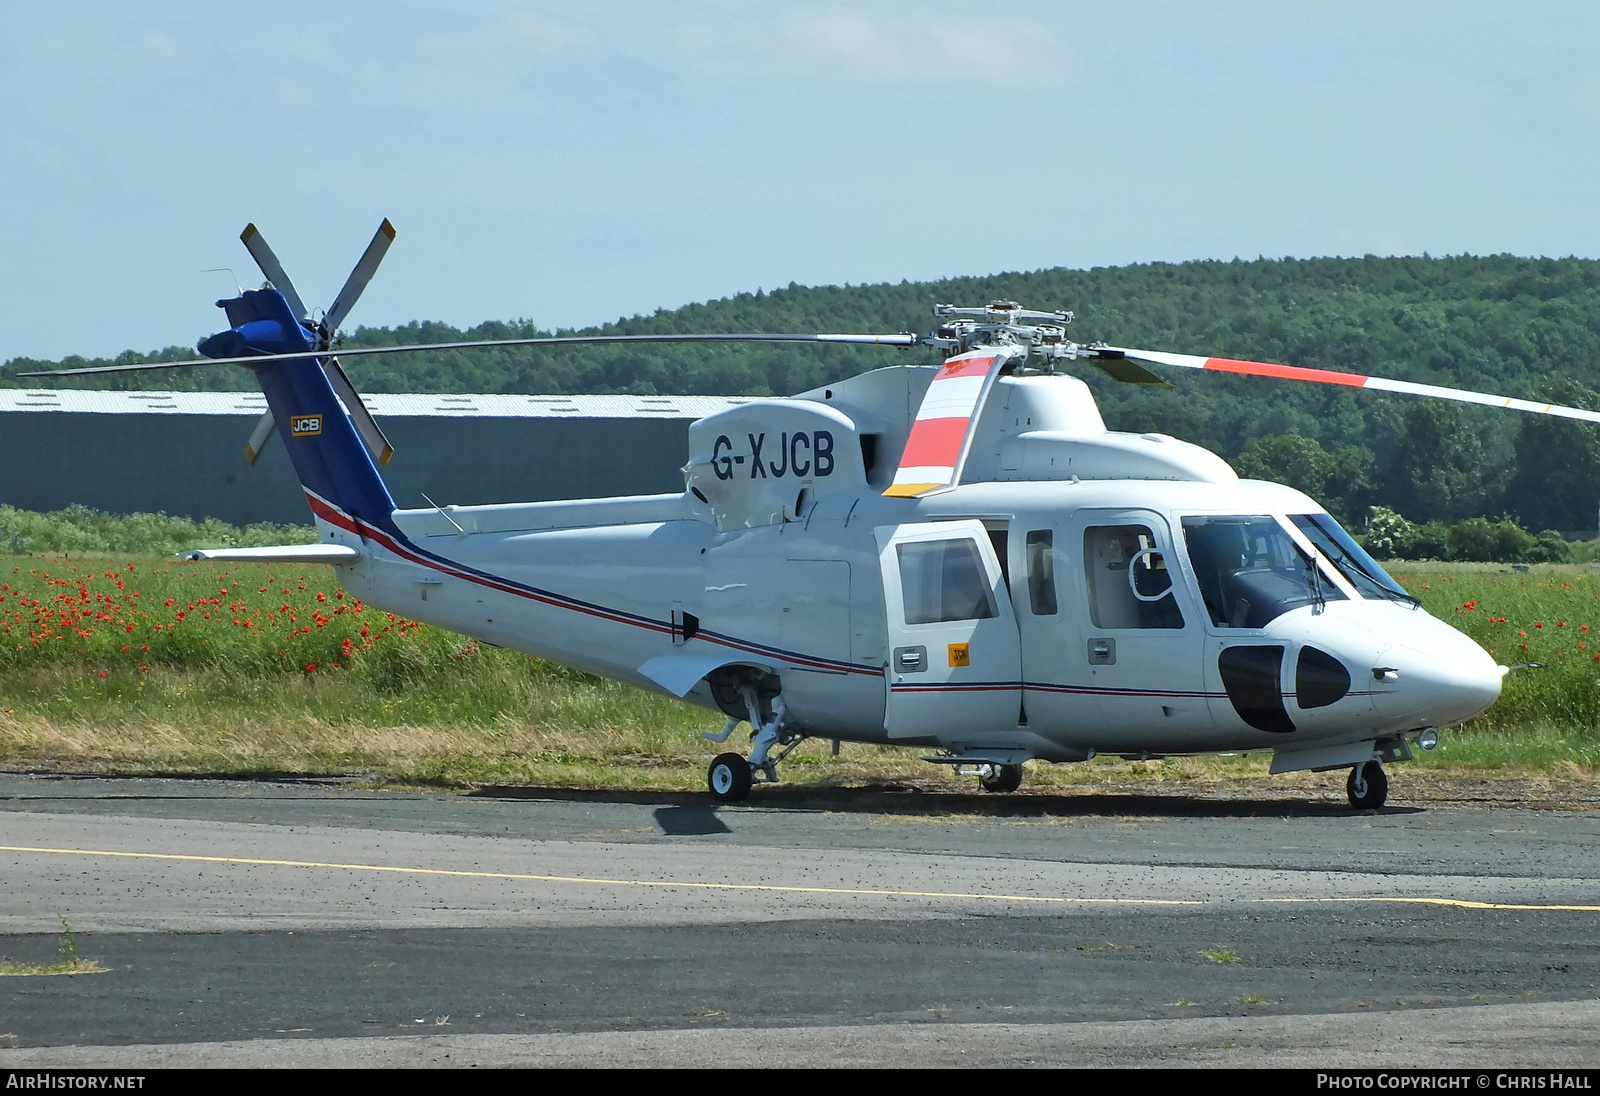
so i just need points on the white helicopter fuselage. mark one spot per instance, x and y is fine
(957, 557)
(1040, 609)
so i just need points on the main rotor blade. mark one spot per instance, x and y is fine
(259, 437)
(941, 435)
(1127, 371)
(359, 277)
(902, 339)
(1332, 376)
(256, 244)
(365, 424)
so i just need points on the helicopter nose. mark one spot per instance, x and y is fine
(1445, 680)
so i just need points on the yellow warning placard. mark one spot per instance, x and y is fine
(959, 655)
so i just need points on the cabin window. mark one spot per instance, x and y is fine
(1250, 570)
(1041, 572)
(942, 580)
(1129, 584)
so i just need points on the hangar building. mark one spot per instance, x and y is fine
(182, 453)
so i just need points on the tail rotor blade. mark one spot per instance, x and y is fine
(359, 277)
(365, 424)
(265, 426)
(268, 262)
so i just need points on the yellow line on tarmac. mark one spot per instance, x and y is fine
(602, 882)
(1456, 903)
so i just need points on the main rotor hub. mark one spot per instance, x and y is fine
(1005, 323)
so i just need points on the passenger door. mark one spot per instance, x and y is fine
(954, 657)
(1144, 634)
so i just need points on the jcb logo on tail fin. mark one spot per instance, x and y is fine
(305, 426)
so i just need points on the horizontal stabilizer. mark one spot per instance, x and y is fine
(279, 553)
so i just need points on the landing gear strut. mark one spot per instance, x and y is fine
(730, 777)
(1368, 786)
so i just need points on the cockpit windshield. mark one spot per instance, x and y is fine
(1251, 571)
(1361, 570)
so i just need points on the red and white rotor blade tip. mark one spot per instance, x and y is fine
(941, 434)
(1350, 380)
(359, 277)
(256, 244)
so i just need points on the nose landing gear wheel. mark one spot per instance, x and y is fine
(1002, 778)
(729, 778)
(1368, 787)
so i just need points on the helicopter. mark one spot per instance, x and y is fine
(954, 556)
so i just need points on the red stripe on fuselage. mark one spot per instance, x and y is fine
(328, 513)
(362, 529)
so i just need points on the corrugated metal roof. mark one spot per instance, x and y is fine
(399, 405)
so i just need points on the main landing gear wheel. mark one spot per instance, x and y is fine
(1367, 787)
(729, 778)
(1002, 778)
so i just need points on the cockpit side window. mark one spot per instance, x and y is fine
(1250, 571)
(1359, 569)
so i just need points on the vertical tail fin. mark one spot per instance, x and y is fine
(333, 464)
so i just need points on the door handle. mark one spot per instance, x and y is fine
(910, 660)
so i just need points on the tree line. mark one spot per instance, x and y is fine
(1527, 327)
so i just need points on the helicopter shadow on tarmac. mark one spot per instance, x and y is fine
(692, 814)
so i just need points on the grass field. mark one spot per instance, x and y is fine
(1548, 615)
(145, 664)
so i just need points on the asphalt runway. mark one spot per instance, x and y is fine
(256, 923)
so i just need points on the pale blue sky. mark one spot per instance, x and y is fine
(574, 162)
